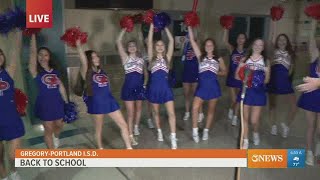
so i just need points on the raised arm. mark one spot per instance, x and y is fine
(121, 50)
(83, 60)
(194, 44)
(222, 68)
(170, 45)
(226, 40)
(15, 54)
(33, 56)
(313, 49)
(150, 42)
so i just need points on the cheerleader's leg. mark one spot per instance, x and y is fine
(118, 118)
(3, 172)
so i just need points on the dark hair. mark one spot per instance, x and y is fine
(203, 49)
(51, 63)
(289, 47)
(245, 43)
(263, 53)
(88, 85)
(4, 63)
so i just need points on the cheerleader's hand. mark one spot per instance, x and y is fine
(310, 84)
(241, 64)
(78, 42)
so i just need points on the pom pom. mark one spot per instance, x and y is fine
(137, 18)
(21, 101)
(17, 17)
(161, 20)
(127, 23)
(276, 13)
(258, 79)
(30, 31)
(5, 26)
(191, 19)
(227, 22)
(241, 74)
(148, 16)
(72, 35)
(313, 11)
(70, 112)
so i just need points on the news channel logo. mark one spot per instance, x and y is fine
(296, 158)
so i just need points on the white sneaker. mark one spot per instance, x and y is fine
(56, 141)
(201, 117)
(173, 142)
(196, 138)
(15, 176)
(274, 130)
(230, 114)
(205, 135)
(150, 124)
(136, 131)
(133, 141)
(317, 149)
(285, 130)
(234, 121)
(309, 158)
(245, 144)
(160, 136)
(256, 139)
(186, 116)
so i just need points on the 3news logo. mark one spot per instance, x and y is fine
(39, 13)
(276, 158)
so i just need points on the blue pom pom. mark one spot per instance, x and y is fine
(161, 20)
(70, 112)
(20, 18)
(5, 26)
(258, 79)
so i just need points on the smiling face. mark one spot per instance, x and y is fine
(160, 47)
(44, 58)
(241, 39)
(95, 59)
(209, 46)
(258, 46)
(282, 42)
(132, 47)
(2, 59)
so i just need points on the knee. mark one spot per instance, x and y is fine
(171, 115)
(48, 130)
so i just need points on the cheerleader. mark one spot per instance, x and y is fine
(208, 89)
(159, 90)
(255, 97)
(280, 85)
(310, 102)
(98, 97)
(237, 53)
(133, 87)
(11, 125)
(190, 78)
(49, 106)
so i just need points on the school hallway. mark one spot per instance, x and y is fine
(222, 135)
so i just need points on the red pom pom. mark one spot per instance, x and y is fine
(21, 101)
(241, 74)
(148, 16)
(137, 18)
(313, 11)
(30, 31)
(276, 13)
(72, 35)
(127, 22)
(226, 21)
(191, 19)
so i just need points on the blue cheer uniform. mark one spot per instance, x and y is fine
(159, 90)
(132, 89)
(311, 101)
(190, 65)
(280, 82)
(49, 103)
(208, 86)
(11, 125)
(255, 95)
(235, 58)
(102, 101)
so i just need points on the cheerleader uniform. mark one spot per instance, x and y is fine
(190, 65)
(280, 82)
(235, 58)
(208, 87)
(311, 101)
(49, 103)
(255, 96)
(11, 125)
(132, 88)
(159, 90)
(102, 101)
